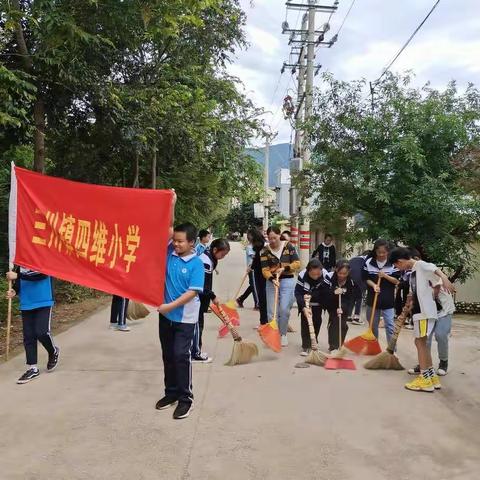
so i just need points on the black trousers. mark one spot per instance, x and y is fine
(261, 287)
(305, 332)
(36, 328)
(176, 339)
(118, 312)
(251, 289)
(333, 329)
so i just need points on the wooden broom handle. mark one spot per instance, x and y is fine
(275, 302)
(374, 306)
(308, 316)
(241, 285)
(399, 322)
(226, 321)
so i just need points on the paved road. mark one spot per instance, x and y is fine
(94, 418)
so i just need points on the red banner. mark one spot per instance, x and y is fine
(108, 238)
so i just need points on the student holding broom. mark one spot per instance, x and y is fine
(341, 283)
(258, 243)
(381, 278)
(251, 289)
(312, 281)
(184, 281)
(36, 302)
(279, 261)
(218, 250)
(423, 276)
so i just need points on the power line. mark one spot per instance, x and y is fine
(407, 42)
(345, 18)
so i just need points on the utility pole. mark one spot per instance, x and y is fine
(304, 43)
(266, 200)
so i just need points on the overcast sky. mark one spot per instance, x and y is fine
(446, 48)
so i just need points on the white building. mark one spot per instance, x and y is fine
(282, 190)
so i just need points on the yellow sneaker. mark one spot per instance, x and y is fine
(420, 384)
(436, 382)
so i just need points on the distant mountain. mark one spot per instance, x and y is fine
(279, 158)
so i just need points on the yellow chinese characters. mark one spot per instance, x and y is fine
(90, 240)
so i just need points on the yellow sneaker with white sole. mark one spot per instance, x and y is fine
(436, 382)
(420, 384)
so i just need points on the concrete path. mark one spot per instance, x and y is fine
(94, 417)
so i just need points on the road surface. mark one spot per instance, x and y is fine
(94, 417)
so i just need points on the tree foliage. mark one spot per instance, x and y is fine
(129, 93)
(402, 168)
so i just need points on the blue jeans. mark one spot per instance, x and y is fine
(388, 318)
(443, 327)
(285, 302)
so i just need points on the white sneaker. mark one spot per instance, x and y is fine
(357, 321)
(284, 341)
(123, 328)
(304, 353)
(113, 326)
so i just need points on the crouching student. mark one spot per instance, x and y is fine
(178, 315)
(35, 291)
(218, 250)
(344, 292)
(424, 312)
(311, 281)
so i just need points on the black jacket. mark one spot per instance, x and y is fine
(210, 264)
(327, 255)
(318, 289)
(386, 298)
(351, 293)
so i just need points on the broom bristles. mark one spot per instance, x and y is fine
(361, 346)
(242, 353)
(316, 357)
(384, 361)
(270, 337)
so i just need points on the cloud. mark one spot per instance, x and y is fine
(447, 47)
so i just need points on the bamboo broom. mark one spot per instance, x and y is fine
(315, 357)
(388, 360)
(242, 352)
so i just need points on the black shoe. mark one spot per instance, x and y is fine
(442, 368)
(239, 303)
(165, 402)
(415, 370)
(349, 319)
(183, 410)
(53, 360)
(30, 374)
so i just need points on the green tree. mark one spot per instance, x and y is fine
(396, 166)
(240, 218)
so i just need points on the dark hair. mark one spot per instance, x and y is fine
(220, 244)
(203, 233)
(328, 235)
(189, 229)
(257, 237)
(414, 252)
(288, 232)
(342, 264)
(399, 253)
(314, 263)
(274, 230)
(380, 243)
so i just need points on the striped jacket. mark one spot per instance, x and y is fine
(288, 260)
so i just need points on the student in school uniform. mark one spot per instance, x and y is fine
(204, 238)
(341, 283)
(258, 244)
(312, 281)
(378, 267)
(326, 253)
(250, 255)
(178, 315)
(35, 291)
(218, 250)
(356, 273)
(118, 314)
